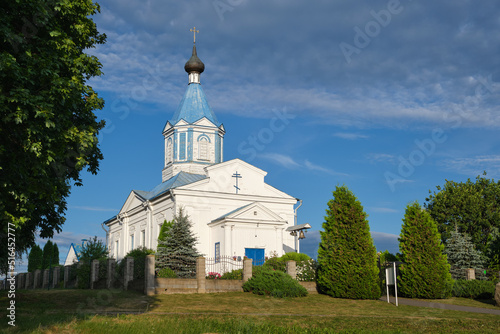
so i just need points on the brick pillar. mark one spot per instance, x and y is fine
(36, 279)
(94, 272)
(247, 269)
(291, 268)
(128, 272)
(471, 274)
(200, 274)
(149, 275)
(66, 276)
(56, 275)
(110, 272)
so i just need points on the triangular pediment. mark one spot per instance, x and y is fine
(181, 122)
(204, 122)
(167, 127)
(254, 213)
(133, 200)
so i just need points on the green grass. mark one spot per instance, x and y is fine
(102, 311)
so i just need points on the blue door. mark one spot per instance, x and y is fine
(256, 254)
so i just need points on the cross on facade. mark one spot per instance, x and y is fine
(237, 176)
(194, 31)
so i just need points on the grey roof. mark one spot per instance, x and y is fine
(175, 181)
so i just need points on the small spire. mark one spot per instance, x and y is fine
(194, 66)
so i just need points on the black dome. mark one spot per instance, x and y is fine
(194, 64)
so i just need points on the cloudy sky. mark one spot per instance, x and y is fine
(387, 97)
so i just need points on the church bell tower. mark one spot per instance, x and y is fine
(193, 137)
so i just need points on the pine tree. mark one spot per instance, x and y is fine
(347, 258)
(55, 255)
(462, 255)
(179, 252)
(425, 269)
(35, 258)
(48, 252)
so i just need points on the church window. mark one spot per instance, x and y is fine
(143, 238)
(168, 152)
(132, 242)
(182, 146)
(217, 252)
(203, 148)
(116, 249)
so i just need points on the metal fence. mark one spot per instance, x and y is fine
(223, 264)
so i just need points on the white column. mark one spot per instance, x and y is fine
(227, 240)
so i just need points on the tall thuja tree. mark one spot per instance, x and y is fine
(462, 255)
(425, 272)
(35, 258)
(493, 253)
(55, 255)
(164, 232)
(48, 253)
(347, 258)
(178, 251)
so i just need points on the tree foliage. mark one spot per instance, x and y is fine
(471, 207)
(94, 249)
(164, 232)
(48, 253)
(48, 129)
(425, 272)
(179, 247)
(347, 258)
(462, 255)
(55, 256)
(35, 258)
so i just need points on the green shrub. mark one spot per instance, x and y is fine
(476, 289)
(83, 275)
(166, 273)
(274, 283)
(306, 267)
(234, 274)
(139, 254)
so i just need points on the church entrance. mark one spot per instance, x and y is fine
(256, 254)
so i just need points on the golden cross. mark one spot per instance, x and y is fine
(194, 33)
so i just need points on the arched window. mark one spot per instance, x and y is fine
(203, 148)
(168, 152)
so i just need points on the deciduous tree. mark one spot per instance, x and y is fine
(471, 207)
(48, 129)
(347, 258)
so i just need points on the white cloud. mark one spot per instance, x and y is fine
(381, 157)
(474, 166)
(309, 165)
(349, 136)
(281, 159)
(383, 210)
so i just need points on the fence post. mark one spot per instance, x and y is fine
(45, 279)
(36, 278)
(247, 269)
(110, 278)
(56, 273)
(200, 274)
(291, 268)
(28, 281)
(94, 272)
(128, 272)
(149, 275)
(66, 276)
(19, 281)
(471, 274)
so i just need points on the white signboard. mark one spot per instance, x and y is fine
(390, 279)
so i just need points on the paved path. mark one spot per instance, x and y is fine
(420, 303)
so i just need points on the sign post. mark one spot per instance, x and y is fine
(390, 279)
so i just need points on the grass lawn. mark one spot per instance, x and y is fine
(104, 311)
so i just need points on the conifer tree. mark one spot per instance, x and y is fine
(55, 255)
(179, 252)
(35, 258)
(347, 258)
(164, 232)
(425, 272)
(48, 251)
(462, 255)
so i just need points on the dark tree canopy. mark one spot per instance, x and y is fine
(425, 272)
(35, 258)
(48, 129)
(472, 207)
(347, 258)
(48, 253)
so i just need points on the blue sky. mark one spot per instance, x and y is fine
(387, 97)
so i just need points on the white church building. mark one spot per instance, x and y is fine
(232, 210)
